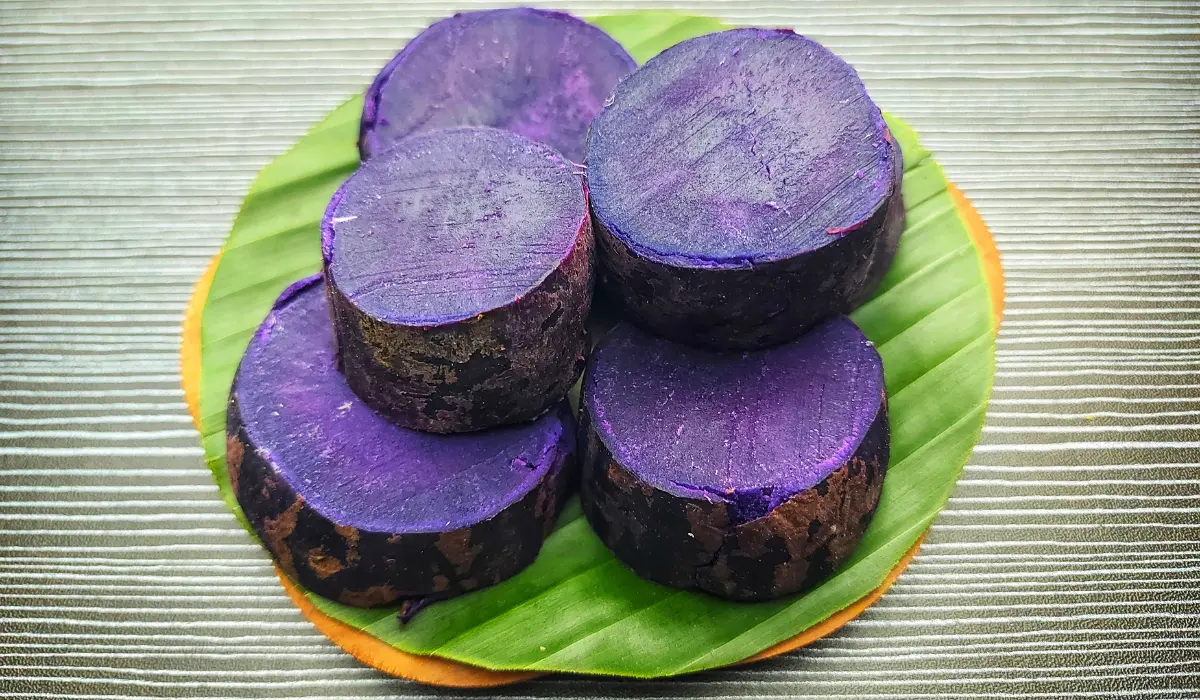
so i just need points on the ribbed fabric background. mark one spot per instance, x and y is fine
(1066, 565)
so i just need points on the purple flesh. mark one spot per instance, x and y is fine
(751, 428)
(537, 73)
(452, 224)
(739, 182)
(461, 268)
(364, 511)
(691, 455)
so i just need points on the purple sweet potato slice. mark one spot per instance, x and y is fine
(750, 475)
(362, 511)
(741, 183)
(460, 268)
(540, 74)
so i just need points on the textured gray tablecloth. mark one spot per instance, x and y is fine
(1067, 563)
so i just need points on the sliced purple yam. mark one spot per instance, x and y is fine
(537, 73)
(460, 268)
(740, 183)
(365, 512)
(751, 475)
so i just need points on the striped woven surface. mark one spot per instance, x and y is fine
(1066, 565)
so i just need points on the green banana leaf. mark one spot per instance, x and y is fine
(577, 609)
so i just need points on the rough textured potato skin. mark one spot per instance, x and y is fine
(739, 309)
(369, 569)
(691, 543)
(506, 366)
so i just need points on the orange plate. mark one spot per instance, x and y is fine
(436, 671)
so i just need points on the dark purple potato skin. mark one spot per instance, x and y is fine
(691, 543)
(741, 543)
(740, 191)
(484, 322)
(537, 73)
(342, 525)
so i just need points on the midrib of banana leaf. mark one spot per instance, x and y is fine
(577, 609)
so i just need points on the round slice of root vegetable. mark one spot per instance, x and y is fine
(460, 268)
(538, 73)
(367, 513)
(740, 183)
(749, 475)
